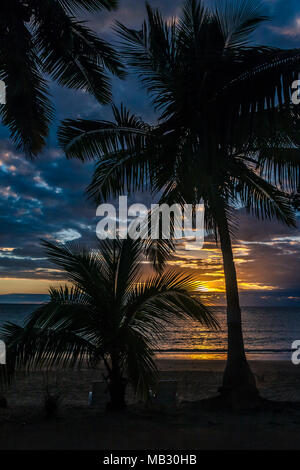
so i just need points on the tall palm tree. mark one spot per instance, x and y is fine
(40, 39)
(110, 314)
(227, 134)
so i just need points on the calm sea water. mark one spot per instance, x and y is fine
(269, 333)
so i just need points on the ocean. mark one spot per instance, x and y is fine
(268, 331)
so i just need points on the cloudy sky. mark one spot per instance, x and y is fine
(45, 198)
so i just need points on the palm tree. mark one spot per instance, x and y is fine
(43, 38)
(227, 135)
(110, 314)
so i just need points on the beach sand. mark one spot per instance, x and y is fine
(184, 426)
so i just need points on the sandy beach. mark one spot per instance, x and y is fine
(184, 426)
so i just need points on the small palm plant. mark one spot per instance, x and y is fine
(108, 314)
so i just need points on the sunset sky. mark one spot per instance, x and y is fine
(44, 198)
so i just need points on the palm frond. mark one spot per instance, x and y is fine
(165, 299)
(86, 140)
(47, 40)
(34, 348)
(159, 252)
(139, 363)
(76, 58)
(263, 199)
(265, 79)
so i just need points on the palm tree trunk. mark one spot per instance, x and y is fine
(238, 380)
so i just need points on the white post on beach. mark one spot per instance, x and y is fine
(2, 353)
